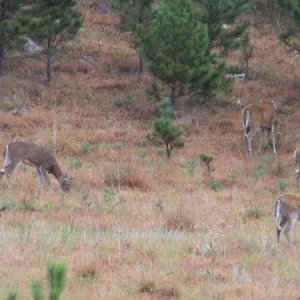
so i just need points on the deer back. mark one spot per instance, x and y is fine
(260, 115)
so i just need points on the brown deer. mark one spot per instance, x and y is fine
(37, 157)
(287, 209)
(297, 160)
(256, 118)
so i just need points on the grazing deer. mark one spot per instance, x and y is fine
(256, 118)
(37, 157)
(297, 159)
(287, 209)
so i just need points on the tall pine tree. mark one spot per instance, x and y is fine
(176, 50)
(13, 24)
(223, 27)
(55, 21)
(134, 13)
(291, 25)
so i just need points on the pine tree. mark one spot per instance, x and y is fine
(220, 16)
(164, 132)
(291, 27)
(134, 13)
(12, 25)
(55, 21)
(176, 49)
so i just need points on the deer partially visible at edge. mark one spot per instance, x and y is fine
(287, 209)
(37, 157)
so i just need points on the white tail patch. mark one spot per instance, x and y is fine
(278, 214)
(6, 157)
(246, 119)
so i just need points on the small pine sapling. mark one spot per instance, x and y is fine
(56, 278)
(207, 159)
(12, 296)
(164, 132)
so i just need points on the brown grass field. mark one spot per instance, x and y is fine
(136, 225)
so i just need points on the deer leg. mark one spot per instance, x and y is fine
(280, 226)
(9, 169)
(249, 136)
(273, 138)
(260, 138)
(43, 177)
(297, 176)
(289, 226)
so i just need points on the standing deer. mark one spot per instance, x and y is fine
(256, 118)
(297, 159)
(287, 209)
(37, 157)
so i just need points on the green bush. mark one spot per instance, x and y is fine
(86, 148)
(215, 185)
(127, 102)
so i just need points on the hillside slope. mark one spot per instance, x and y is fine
(135, 225)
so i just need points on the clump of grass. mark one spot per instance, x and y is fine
(182, 219)
(163, 292)
(215, 185)
(126, 102)
(281, 186)
(125, 177)
(88, 272)
(147, 286)
(253, 213)
(280, 168)
(86, 148)
(74, 163)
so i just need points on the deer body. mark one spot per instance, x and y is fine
(256, 118)
(287, 209)
(297, 160)
(37, 157)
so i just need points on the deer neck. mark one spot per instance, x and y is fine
(57, 172)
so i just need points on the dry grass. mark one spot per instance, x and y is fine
(135, 225)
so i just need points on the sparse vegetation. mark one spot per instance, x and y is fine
(136, 225)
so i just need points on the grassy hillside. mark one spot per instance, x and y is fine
(135, 225)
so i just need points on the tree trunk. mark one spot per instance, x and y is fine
(2, 14)
(141, 65)
(173, 94)
(49, 73)
(1, 52)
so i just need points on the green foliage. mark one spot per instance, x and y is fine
(290, 32)
(259, 171)
(74, 163)
(167, 134)
(54, 22)
(37, 291)
(191, 165)
(108, 195)
(224, 25)
(134, 14)
(153, 91)
(127, 102)
(57, 279)
(281, 186)
(176, 48)
(215, 185)
(12, 296)
(13, 24)
(86, 148)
